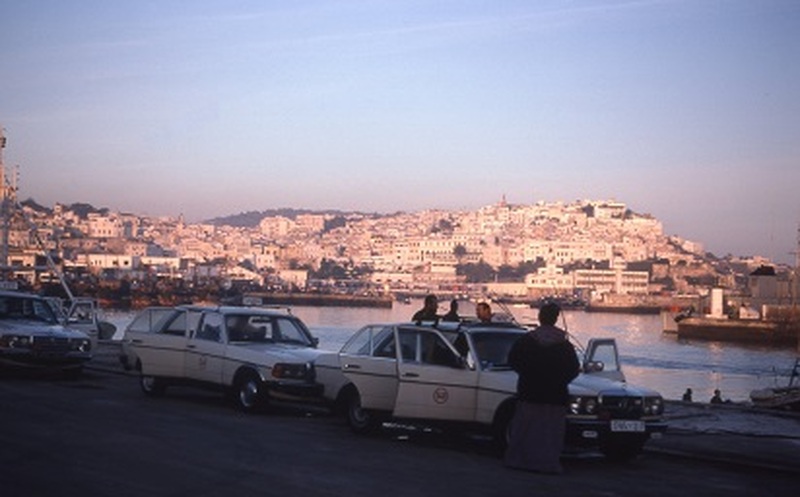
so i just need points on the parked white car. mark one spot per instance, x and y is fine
(459, 375)
(32, 334)
(255, 354)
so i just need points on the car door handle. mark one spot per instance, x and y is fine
(191, 346)
(352, 366)
(410, 375)
(136, 340)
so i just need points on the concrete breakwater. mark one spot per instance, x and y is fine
(314, 299)
(739, 330)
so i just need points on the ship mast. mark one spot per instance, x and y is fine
(5, 209)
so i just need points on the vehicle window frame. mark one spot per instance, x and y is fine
(475, 342)
(208, 330)
(371, 339)
(427, 347)
(20, 307)
(154, 318)
(279, 328)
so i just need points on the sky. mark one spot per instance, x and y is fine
(688, 110)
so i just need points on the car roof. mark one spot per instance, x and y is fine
(231, 309)
(464, 326)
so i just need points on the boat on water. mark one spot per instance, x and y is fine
(787, 397)
(624, 309)
(564, 302)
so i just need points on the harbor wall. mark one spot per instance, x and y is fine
(739, 330)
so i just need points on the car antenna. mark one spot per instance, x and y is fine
(570, 335)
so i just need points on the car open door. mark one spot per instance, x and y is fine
(434, 382)
(602, 359)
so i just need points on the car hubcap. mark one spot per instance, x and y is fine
(148, 383)
(248, 394)
(357, 414)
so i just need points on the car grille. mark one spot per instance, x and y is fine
(621, 407)
(51, 345)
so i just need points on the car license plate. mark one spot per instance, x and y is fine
(627, 425)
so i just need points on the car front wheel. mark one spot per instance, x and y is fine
(501, 427)
(152, 386)
(249, 393)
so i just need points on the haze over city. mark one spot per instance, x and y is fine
(686, 110)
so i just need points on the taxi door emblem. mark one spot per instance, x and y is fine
(440, 395)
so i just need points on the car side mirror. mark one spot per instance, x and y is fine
(594, 366)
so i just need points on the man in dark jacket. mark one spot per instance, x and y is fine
(546, 363)
(429, 310)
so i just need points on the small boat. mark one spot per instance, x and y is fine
(787, 397)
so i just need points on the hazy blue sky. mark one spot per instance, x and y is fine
(688, 110)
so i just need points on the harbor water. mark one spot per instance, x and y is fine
(649, 356)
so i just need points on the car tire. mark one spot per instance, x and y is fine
(360, 420)
(152, 386)
(249, 392)
(501, 427)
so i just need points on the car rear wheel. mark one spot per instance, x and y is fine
(152, 386)
(248, 392)
(361, 420)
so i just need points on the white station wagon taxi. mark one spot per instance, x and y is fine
(255, 354)
(430, 375)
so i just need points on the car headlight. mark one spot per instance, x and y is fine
(16, 342)
(81, 345)
(583, 405)
(653, 406)
(295, 371)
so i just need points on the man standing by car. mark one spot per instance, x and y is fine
(484, 312)
(546, 363)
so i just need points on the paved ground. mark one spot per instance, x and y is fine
(732, 434)
(98, 435)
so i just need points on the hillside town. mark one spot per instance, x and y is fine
(587, 252)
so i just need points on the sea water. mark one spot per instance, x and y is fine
(649, 356)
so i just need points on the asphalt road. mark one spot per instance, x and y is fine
(98, 435)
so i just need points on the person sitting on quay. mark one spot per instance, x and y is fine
(717, 398)
(687, 395)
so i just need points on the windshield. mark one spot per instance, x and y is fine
(26, 308)
(257, 328)
(491, 348)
